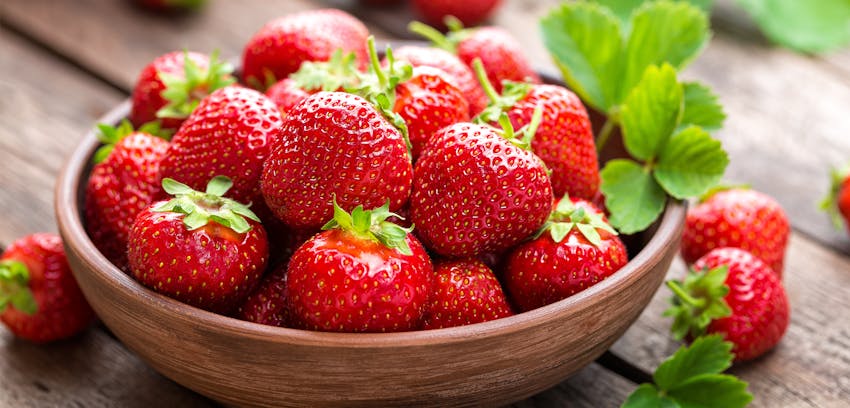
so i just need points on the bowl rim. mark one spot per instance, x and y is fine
(69, 220)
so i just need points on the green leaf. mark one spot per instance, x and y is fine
(707, 355)
(201, 208)
(690, 163)
(712, 391)
(623, 8)
(14, 287)
(632, 196)
(807, 26)
(175, 187)
(663, 32)
(651, 112)
(586, 42)
(219, 185)
(698, 300)
(647, 396)
(701, 107)
(829, 203)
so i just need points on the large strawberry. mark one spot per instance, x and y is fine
(837, 202)
(39, 298)
(335, 144)
(574, 250)
(363, 274)
(283, 44)
(740, 218)
(465, 292)
(475, 191)
(267, 303)
(733, 293)
(469, 12)
(169, 88)
(229, 134)
(124, 182)
(199, 248)
(336, 74)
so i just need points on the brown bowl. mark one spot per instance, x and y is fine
(248, 364)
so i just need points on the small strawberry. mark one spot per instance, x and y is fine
(124, 182)
(574, 250)
(199, 248)
(267, 303)
(465, 292)
(283, 44)
(501, 54)
(39, 298)
(229, 134)
(469, 12)
(170, 87)
(733, 293)
(334, 144)
(363, 274)
(837, 202)
(336, 74)
(475, 191)
(739, 218)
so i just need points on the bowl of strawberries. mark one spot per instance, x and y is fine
(334, 227)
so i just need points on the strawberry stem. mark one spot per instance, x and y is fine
(14, 287)
(605, 133)
(481, 74)
(376, 63)
(433, 35)
(683, 295)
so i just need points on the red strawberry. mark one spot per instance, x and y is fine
(267, 304)
(575, 250)
(474, 192)
(229, 134)
(465, 292)
(334, 144)
(837, 202)
(469, 12)
(733, 293)
(336, 74)
(363, 274)
(123, 183)
(501, 55)
(739, 218)
(462, 76)
(199, 248)
(170, 87)
(280, 47)
(39, 298)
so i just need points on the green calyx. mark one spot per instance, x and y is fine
(496, 111)
(567, 216)
(339, 72)
(202, 208)
(184, 93)
(698, 300)
(110, 135)
(14, 287)
(721, 188)
(448, 42)
(829, 204)
(372, 225)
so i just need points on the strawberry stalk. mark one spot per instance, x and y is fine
(371, 225)
(512, 92)
(184, 94)
(14, 287)
(449, 42)
(209, 206)
(698, 300)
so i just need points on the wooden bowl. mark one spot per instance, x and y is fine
(248, 364)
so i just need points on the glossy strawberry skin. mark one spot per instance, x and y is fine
(465, 292)
(500, 54)
(564, 140)
(335, 144)
(267, 303)
(62, 310)
(283, 44)
(337, 282)
(212, 268)
(461, 74)
(429, 102)
(760, 310)
(739, 218)
(286, 94)
(474, 192)
(118, 189)
(147, 98)
(469, 12)
(228, 134)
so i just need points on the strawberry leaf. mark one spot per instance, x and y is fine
(647, 396)
(698, 300)
(14, 287)
(371, 225)
(183, 93)
(807, 26)
(712, 391)
(707, 355)
(632, 195)
(623, 9)
(202, 208)
(701, 107)
(652, 112)
(690, 163)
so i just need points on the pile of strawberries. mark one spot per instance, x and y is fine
(440, 186)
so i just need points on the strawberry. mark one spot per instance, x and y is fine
(733, 293)
(474, 191)
(334, 144)
(837, 202)
(462, 76)
(283, 44)
(229, 134)
(124, 182)
(39, 298)
(267, 303)
(739, 218)
(199, 248)
(362, 274)
(465, 292)
(170, 87)
(573, 251)
(336, 74)
(499, 52)
(469, 12)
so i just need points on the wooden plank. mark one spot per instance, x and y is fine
(810, 367)
(591, 388)
(45, 110)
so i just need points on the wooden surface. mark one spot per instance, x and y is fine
(62, 64)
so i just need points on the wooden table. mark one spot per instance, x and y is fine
(64, 63)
